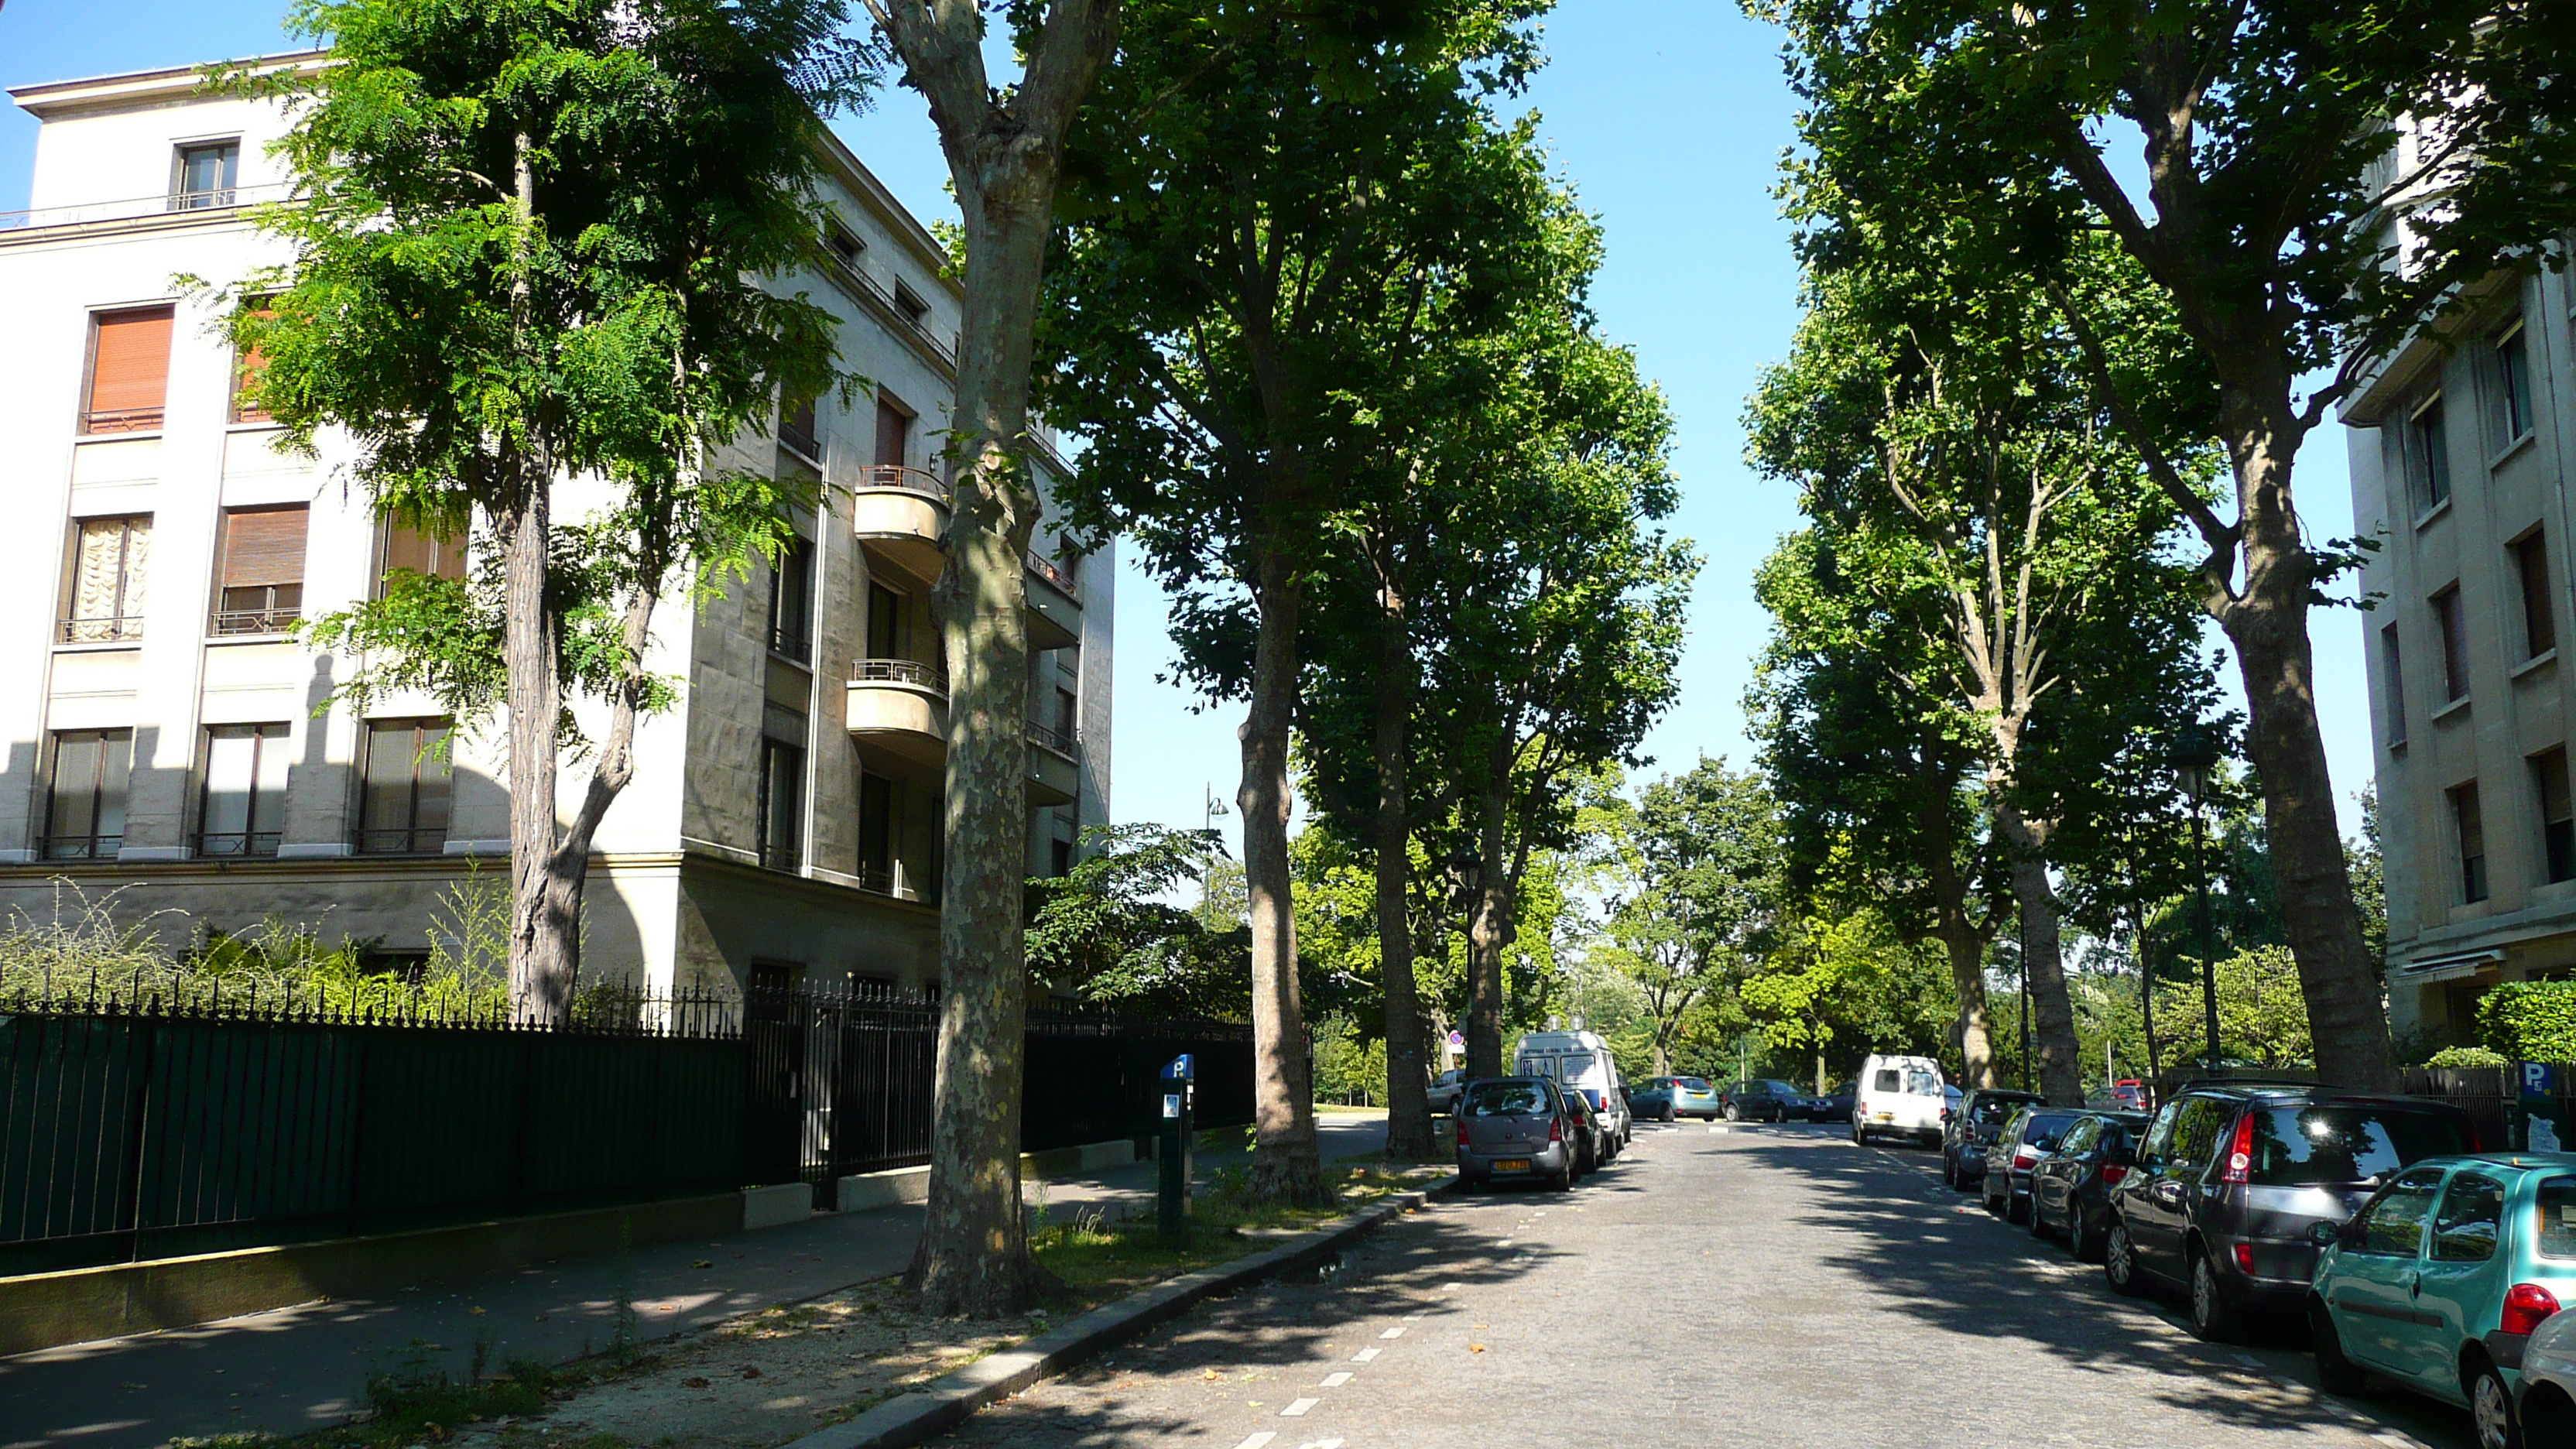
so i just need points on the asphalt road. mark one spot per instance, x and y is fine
(1771, 1286)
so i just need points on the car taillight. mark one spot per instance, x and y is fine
(1462, 1131)
(2240, 1153)
(1556, 1129)
(2526, 1307)
(2112, 1172)
(2245, 1259)
(2477, 1142)
(2024, 1157)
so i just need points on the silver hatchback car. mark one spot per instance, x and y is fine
(1516, 1127)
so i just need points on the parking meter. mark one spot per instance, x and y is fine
(1180, 1080)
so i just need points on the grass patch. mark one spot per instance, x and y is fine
(1099, 1258)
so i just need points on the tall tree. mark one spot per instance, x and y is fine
(2320, 181)
(1693, 892)
(533, 245)
(1943, 436)
(1266, 200)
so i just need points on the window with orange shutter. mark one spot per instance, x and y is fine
(129, 371)
(248, 366)
(402, 546)
(262, 579)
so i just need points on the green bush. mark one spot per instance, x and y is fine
(2469, 1056)
(2530, 1021)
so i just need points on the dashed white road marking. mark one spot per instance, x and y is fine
(1337, 1378)
(1395, 1332)
(1366, 1354)
(1451, 1287)
(1297, 1409)
(1257, 1440)
(1321, 1444)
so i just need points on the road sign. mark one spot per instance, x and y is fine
(1457, 1039)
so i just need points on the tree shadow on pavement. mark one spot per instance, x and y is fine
(1942, 1260)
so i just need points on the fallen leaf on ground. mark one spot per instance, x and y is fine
(703, 1263)
(1475, 1348)
(693, 1382)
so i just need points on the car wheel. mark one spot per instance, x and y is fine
(1986, 1198)
(1564, 1179)
(1734, 1113)
(1949, 1172)
(2016, 1210)
(2211, 1316)
(2120, 1260)
(1860, 1135)
(2491, 1409)
(2079, 1244)
(2039, 1227)
(2336, 1374)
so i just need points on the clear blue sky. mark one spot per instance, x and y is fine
(1667, 115)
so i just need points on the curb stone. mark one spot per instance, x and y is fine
(951, 1399)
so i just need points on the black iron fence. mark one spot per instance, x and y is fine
(138, 1129)
(841, 1080)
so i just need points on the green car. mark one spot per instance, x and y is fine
(2438, 1281)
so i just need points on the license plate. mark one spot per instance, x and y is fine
(1884, 1116)
(1512, 1164)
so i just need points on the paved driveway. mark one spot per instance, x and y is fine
(1770, 1286)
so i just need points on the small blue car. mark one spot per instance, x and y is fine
(2438, 1282)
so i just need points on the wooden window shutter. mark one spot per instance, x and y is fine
(410, 548)
(263, 546)
(129, 371)
(894, 431)
(248, 364)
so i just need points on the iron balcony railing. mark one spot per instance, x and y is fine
(428, 840)
(850, 271)
(801, 439)
(899, 671)
(903, 477)
(232, 843)
(232, 623)
(120, 420)
(136, 208)
(1063, 742)
(80, 847)
(119, 629)
(1054, 573)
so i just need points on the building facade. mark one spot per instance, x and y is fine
(2462, 447)
(171, 744)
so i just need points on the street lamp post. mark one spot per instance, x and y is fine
(2194, 757)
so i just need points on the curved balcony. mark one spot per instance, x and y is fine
(900, 515)
(1055, 767)
(1055, 608)
(901, 706)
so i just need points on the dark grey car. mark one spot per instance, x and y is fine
(1517, 1127)
(1969, 1128)
(2031, 1135)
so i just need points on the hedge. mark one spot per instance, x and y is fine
(2530, 1021)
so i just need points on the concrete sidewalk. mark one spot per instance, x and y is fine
(304, 1368)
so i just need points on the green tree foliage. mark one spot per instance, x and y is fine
(531, 244)
(1693, 894)
(2530, 1021)
(2319, 182)
(1108, 930)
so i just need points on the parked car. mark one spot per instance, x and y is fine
(1836, 1105)
(2440, 1281)
(1444, 1091)
(1516, 1127)
(2545, 1400)
(1761, 1100)
(1617, 1122)
(1578, 1059)
(2030, 1135)
(2070, 1188)
(2232, 1174)
(1650, 1100)
(1899, 1097)
(1663, 1099)
(1969, 1128)
(1594, 1143)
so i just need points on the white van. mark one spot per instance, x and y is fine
(1579, 1059)
(1899, 1097)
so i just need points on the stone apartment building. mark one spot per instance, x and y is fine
(2461, 448)
(166, 738)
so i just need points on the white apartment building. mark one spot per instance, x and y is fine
(2462, 452)
(165, 737)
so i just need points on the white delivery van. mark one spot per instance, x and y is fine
(1579, 1059)
(1898, 1097)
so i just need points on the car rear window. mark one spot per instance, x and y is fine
(1695, 1084)
(1506, 1099)
(2044, 1128)
(2557, 1207)
(2312, 1146)
(1990, 1110)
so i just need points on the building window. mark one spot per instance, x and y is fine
(894, 433)
(796, 428)
(2513, 386)
(843, 243)
(791, 602)
(249, 365)
(876, 833)
(402, 805)
(401, 546)
(2392, 680)
(2428, 456)
(885, 622)
(1060, 858)
(2539, 619)
(782, 804)
(2557, 814)
(104, 600)
(2468, 827)
(203, 175)
(129, 371)
(261, 583)
(243, 809)
(915, 310)
(85, 819)
(2450, 617)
